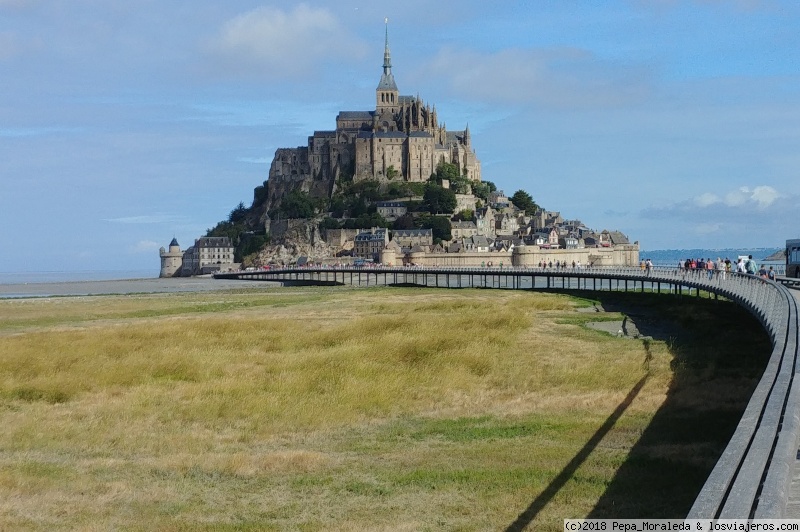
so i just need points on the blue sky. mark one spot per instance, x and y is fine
(123, 124)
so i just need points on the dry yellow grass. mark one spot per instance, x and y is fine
(334, 409)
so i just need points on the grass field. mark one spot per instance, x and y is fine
(362, 409)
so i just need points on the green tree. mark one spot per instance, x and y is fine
(369, 189)
(260, 194)
(391, 172)
(439, 199)
(482, 189)
(338, 206)
(295, 204)
(467, 215)
(439, 225)
(357, 206)
(404, 189)
(404, 222)
(461, 185)
(447, 171)
(239, 214)
(366, 221)
(523, 200)
(330, 223)
(249, 244)
(228, 229)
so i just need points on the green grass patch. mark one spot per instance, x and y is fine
(354, 409)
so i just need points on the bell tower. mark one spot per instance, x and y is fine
(386, 95)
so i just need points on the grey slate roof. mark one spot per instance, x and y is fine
(390, 134)
(368, 236)
(406, 233)
(381, 134)
(214, 242)
(356, 115)
(387, 82)
(618, 238)
(464, 225)
(479, 241)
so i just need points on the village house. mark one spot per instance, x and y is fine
(477, 243)
(570, 241)
(506, 243)
(408, 238)
(460, 230)
(208, 255)
(391, 210)
(465, 202)
(506, 224)
(498, 196)
(485, 221)
(369, 244)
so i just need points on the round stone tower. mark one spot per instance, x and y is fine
(172, 260)
(388, 257)
(523, 256)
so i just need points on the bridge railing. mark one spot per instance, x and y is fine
(752, 478)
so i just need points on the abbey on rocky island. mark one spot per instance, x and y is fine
(401, 139)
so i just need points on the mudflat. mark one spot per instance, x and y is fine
(124, 286)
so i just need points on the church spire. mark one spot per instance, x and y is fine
(386, 95)
(387, 56)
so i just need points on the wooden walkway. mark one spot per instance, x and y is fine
(793, 505)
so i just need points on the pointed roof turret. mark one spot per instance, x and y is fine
(387, 78)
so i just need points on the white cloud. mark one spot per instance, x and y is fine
(742, 200)
(704, 200)
(764, 196)
(270, 42)
(562, 77)
(737, 197)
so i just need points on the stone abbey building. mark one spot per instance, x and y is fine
(401, 139)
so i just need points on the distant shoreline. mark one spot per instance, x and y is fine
(35, 277)
(121, 286)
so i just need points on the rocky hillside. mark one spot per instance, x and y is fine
(293, 239)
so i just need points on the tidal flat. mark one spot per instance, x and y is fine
(363, 409)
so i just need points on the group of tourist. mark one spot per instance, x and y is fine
(559, 265)
(721, 268)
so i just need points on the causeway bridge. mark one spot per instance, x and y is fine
(758, 474)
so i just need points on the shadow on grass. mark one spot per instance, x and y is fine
(557, 483)
(719, 352)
